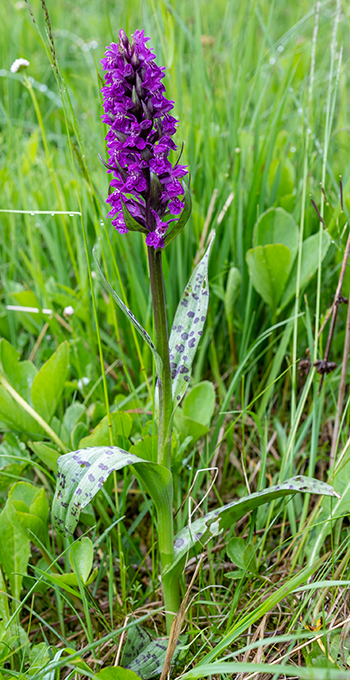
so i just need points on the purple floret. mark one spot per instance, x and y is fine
(139, 139)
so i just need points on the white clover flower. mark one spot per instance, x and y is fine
(19, 65)
(83, 382)
(68, 311)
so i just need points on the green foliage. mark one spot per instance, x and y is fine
(14, 553)
(27, 509)
(121, 424)
(13, 460)
(48, 384)
(243, 554)
(269, 267)
(193, 420)
(273, 261)
(116, 673)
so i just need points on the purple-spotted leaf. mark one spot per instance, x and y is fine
(212, 524)
(144, 654)
(157, 359)
(188, 327)
(81, 474)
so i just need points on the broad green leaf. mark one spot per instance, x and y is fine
(183, 219)
(12, 638)
(4, 601)
(49, 382)
(46, 453)
(281, 178)
(187, 427)
(277, 226)
(188, 326)
(145, 654)
(27, 509)
(81, 474)
(116, 673)
(73, 414)
(14, 416)
(157, 358)
(14, 553)
(233, 287)
(13, 460)
(309, 264)
(199, 403)
(20, 374)
(146, 448)
(38, 657)
(242, 554)
(81, 557)
(30, 321)
(269, 267)
(121, 427)
(80, 430)
(205, 528)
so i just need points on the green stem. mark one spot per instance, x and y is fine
(171, 586)
(161, 335)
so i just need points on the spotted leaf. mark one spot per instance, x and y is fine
(204, 528)
(81, 474)
(157, 358)
(144, 654)
(188, 326)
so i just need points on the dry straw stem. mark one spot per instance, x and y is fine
(334, 310)
(178, 623)
(342, 387)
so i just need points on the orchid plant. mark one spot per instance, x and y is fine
(149, 195)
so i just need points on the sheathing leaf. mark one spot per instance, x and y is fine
(203, 529)
(82, 473)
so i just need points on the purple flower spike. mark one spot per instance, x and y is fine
(146, 187)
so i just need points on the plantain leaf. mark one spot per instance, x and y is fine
(48, 384)
(212, 524)
(157, 358)
(188, 327)
(81, 474)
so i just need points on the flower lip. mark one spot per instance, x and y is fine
(140, 127)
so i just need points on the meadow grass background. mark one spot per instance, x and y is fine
(239, 73)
